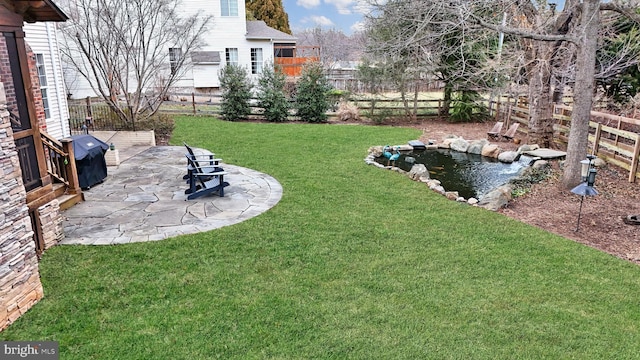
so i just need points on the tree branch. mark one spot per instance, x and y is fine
(527, 34)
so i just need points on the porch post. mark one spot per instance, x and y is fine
(70, 167)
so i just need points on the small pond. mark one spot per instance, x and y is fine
(470, 175)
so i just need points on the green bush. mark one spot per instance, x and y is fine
(161, 124)
(271, 96)
(467, 107)
(336, 96)
(312, 97)
(236, 92)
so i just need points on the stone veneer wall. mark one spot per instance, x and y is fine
(20, 286)
(49, 214)
(51, 223)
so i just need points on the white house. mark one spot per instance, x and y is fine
(42, 38)
(230, 39)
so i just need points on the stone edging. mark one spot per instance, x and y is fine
(493, 200)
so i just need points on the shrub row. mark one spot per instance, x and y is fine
(310, 94)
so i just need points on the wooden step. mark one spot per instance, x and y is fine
(59, 189)
(68, 200)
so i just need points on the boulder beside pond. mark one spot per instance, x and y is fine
(496, 199)
(460, 145)
(508, 156)
(476, 146)
(418, 172)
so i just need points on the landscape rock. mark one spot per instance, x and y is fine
(418, 171)
(451, 195)
(432, 183)
(546, 153)
(375, 151)
(490, 150)
(460, 145)
(446, 142)
(528, 147)
(476, 146)
(597, 162)
(540, 164)
(496, 199)
(508, 156)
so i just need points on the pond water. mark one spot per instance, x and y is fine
(470, 175)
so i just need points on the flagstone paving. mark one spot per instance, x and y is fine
(143, 199)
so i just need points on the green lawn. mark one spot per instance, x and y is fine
(354, 263)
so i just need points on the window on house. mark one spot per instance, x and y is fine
(42, 76)
(175, 56)
(281, 50)
(229, 7)
(256, 60)
(231, 55)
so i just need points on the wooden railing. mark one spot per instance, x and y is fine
(60, 162)
(613, 138)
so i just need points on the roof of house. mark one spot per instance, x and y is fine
(258, 30)
(44, 10)
(205, 57)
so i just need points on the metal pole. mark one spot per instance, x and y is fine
(579, 213)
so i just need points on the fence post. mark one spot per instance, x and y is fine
(89, 112)
(70, 167)
(618, 127)
(634, 160)
(596, 140)
(193, 102)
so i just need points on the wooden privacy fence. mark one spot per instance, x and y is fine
(613, 138)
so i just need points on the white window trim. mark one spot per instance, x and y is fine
(42, 78)
(229, 60)
(257, 62)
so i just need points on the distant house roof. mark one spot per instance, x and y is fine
(258, 30)
(205, 57)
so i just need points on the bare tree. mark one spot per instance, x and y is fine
(421, 40)
(544, 33)
(130, 52)
(334, 45)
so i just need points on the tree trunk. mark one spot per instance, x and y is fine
(582, 92)
(416, 95)
(540, 105)
(446, 100)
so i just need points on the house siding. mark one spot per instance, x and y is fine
(223, 32)
(42, 38)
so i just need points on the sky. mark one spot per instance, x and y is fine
(345, 15)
